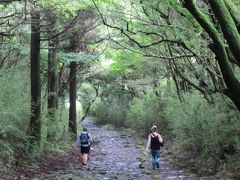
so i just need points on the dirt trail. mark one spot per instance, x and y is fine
(116, 155)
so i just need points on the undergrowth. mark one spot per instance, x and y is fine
(205, 137)
(15, 118)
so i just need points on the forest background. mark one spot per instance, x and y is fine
(129, 63)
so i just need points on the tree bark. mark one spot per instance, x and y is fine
(34, 130)
(228, 26)
(52, 78)
(73, 98)
(230, 80)
(232, 8)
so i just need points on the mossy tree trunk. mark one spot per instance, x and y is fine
(228, 26)
(34, 130)
(233, 85)
(52, 75)
(234, 11)
(52, 79)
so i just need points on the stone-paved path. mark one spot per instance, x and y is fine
(117, 155)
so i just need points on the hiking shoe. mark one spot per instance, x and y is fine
(157, 164)
(83, 164)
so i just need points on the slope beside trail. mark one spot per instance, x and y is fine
(116, 155)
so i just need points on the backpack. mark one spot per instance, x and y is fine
(84, 139)
(157, 142)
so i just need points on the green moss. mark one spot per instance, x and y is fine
(227, 25)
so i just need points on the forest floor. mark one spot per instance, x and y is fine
(115, 155)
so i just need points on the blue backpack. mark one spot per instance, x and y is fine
(85, 139)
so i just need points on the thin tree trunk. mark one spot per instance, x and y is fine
(174, 75)
(34, 130)
(90, 103)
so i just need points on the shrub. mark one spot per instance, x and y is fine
(54, 130)
(110, 113)
(205, 133)
(146, 111)
(112, 105)
(14, 115)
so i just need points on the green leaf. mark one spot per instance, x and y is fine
(77, 57)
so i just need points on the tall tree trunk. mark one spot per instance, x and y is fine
(34, 130)
(73, 98)
(52, 83)
(52, 78)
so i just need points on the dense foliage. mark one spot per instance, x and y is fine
(133, 64)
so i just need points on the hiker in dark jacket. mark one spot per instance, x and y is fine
(84, 142)
(154, 140)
